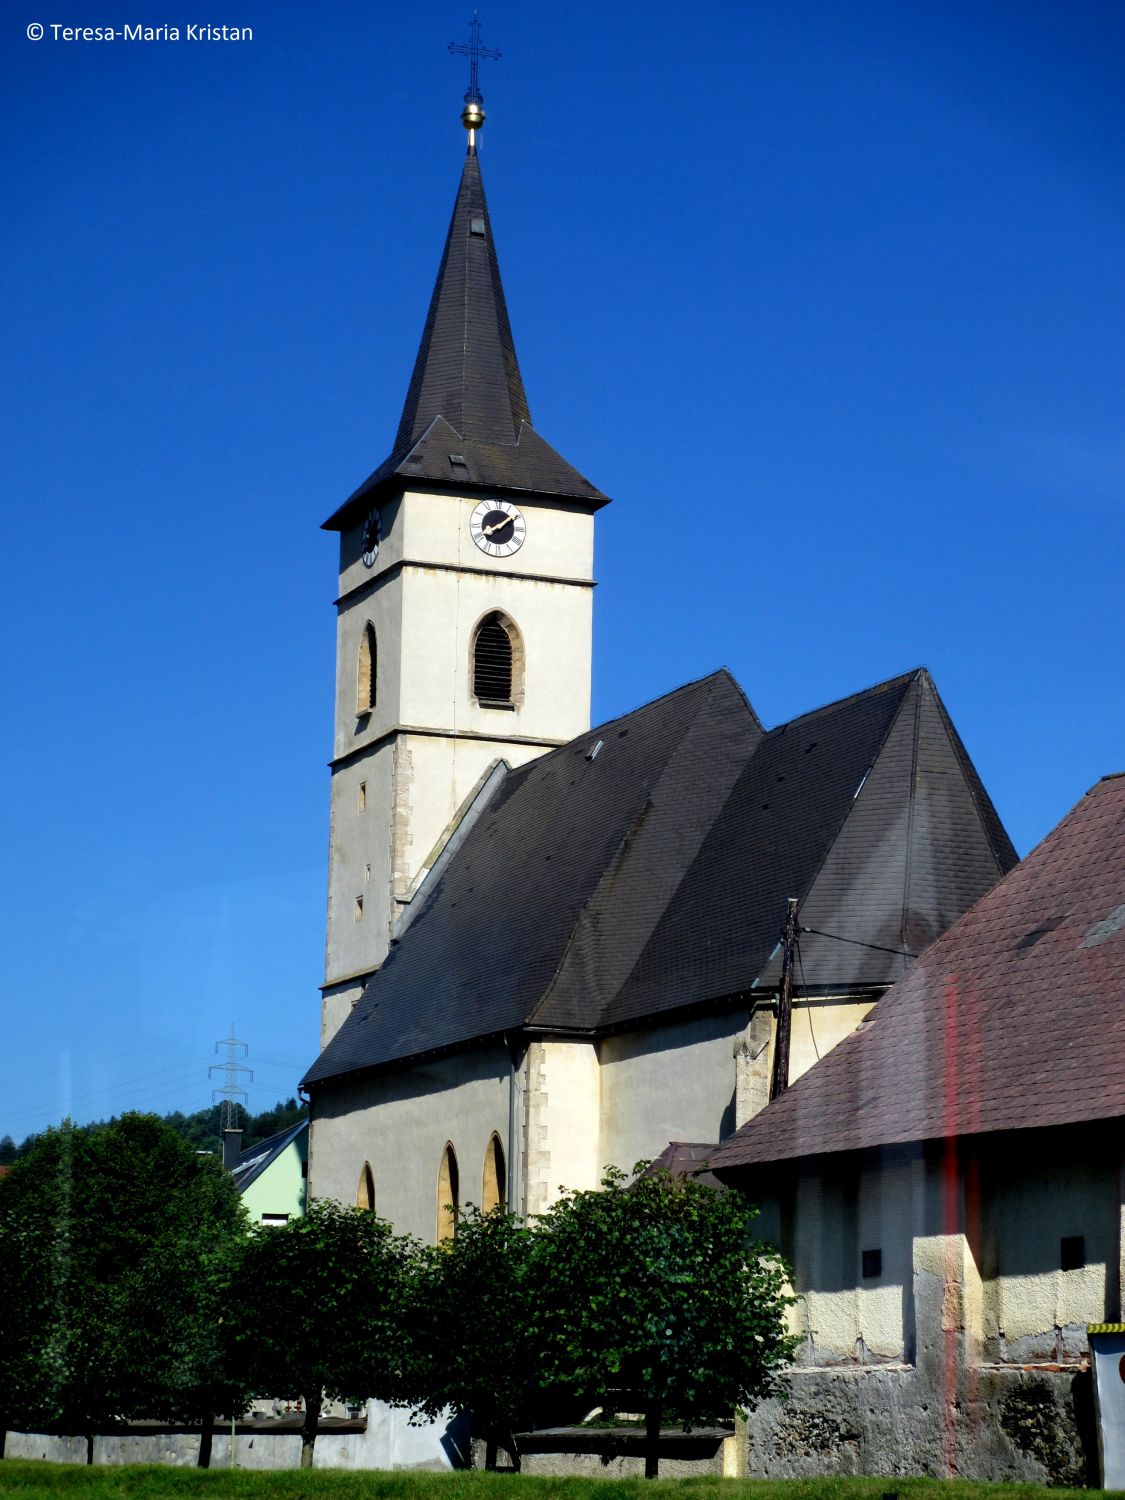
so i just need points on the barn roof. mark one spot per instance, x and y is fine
(1014, 1019)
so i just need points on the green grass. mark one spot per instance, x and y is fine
(32, 1480)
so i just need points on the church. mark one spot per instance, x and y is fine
(550, 947)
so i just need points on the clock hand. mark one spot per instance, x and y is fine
(499, 526)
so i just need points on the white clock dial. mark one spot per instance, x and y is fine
(497, 527)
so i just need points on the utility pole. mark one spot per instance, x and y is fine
(780, 1080)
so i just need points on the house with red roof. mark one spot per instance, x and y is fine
(949, 1186)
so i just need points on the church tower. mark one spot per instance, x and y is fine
(464, 610)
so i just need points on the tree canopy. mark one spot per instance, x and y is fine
(318, 1307)
(472, 1307)
(110, 1242)
(655, 1293)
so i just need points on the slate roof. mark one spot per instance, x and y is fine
(466, 397)
(255, 1159)
(599, 891)
(1014, 1019)
(686, 1159)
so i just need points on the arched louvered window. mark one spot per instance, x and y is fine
(494, 1183)
(365, 1192)
(448, 1194)
(497, 664)
(365, 674)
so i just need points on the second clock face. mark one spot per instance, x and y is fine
(372, 534)
(497, 527)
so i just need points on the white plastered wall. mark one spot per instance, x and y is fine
(667, 1083)
(400, 1124)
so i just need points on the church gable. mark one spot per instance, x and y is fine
(913, 853)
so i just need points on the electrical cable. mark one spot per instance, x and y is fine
(805, 993)
(858, 943)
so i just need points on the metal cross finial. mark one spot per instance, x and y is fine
(473, 50)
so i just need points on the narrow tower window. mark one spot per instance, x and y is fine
(365, 680)
(497, 664)
(494, 1183)
(365, 1192)
(448, 1194)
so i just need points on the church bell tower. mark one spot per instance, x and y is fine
(464, 610)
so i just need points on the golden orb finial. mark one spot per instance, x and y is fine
(472, 116)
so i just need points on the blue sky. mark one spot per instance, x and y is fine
(827, 296)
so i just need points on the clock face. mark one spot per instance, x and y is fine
(497, 527)
(372, 531)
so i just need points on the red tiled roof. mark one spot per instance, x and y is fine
(1014, 1019)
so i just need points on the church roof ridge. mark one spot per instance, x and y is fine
(888, 684)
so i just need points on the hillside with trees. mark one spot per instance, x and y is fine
(201, 1129)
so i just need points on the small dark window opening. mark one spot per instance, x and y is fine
(1072, 1252)
(872, 1264)
(492, 662)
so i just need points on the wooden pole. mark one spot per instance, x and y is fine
(779, 1082)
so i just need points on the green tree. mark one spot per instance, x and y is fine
(473, 1299)
(110, 1243)
(657, 1289)
(316, 1309)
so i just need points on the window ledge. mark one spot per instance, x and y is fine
(501, 703)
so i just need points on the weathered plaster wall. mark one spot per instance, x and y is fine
(1032, 1308)
(667, 1083)
(400, 1124)
(842, 1315)
(818, 1025)
(917, 1370)
(562, 1102)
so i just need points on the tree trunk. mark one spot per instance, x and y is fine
(490, 1451)
(206, 1439)
(3, 1434)
(514, 1452)
(308, 1432)
(89, 1447)
(652, 1442)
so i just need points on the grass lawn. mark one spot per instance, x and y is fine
(29, 1480)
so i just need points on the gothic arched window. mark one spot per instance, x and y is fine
(365, 1192)
(497, 663)
(494, 1182)
(448, 1194)
(365, 673)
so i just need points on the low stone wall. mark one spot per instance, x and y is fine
(384, 1440)
(993, 1423)
(619, 1453)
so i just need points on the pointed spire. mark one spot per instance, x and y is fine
(466, 370)
(466, 421)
